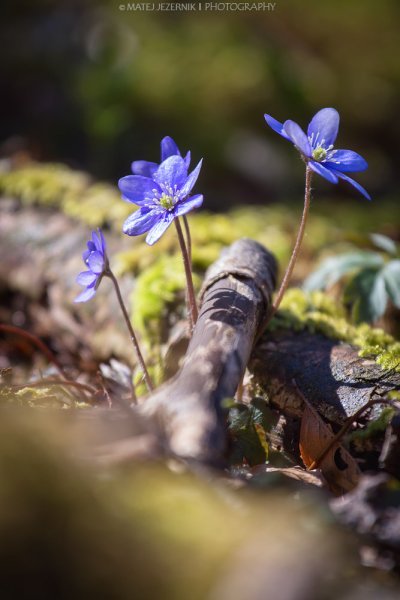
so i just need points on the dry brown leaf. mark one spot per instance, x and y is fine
(339, 468)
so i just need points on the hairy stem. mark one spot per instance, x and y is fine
(299, 239)
(295, 253)
(135, 342)
(189, 248)
(191, 297)
(290, 267)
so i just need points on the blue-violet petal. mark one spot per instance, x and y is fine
(144, 168)
(168, 148)
(276, 126)
(86, 278)
(324, 127)
(140, 221)
(324, 172)
(355, 184)
(190, 181)
(187, 205)
(298, 137)
(159, 228)
(96, 262)
(346, 161)
(137, 189)
(85, 295)
(171, 172)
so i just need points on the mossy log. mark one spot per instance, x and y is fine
(330, 375)
(235, 296)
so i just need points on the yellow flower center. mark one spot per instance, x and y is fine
(166, 201)
(319, 154)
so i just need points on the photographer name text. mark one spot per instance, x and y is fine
(198, 7)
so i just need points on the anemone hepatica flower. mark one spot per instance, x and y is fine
(168, 148)
(161, 197)
(95, 258)
(317, 147)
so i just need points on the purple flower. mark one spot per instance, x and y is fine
(95, 258)
(162, 197)
(168, 148)
(317, 147)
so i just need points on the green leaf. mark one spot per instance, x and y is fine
(243, 421)
(384, 243)
(367, 292)
(332, 269)
(391, 274)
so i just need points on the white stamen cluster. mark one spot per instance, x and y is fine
(167, 198)
(321, 153)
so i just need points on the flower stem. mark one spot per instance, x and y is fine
(189, 247)
(299, 239)
(289, 270)
(191, 296)
(295, 253)
(188, 238)
(135, 342)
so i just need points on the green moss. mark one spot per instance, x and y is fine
(51, 396)
(156, 303)
(47, 184)
(318, 313)
(157, 288)
(72, 191)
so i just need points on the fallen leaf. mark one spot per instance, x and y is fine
(338, 467)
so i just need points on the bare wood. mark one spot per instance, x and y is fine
(234, 300)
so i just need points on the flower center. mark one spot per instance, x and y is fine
(319, 154)
(166, 201)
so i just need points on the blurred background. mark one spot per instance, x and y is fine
(96, 87)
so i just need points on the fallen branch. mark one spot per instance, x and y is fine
(235, 297)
